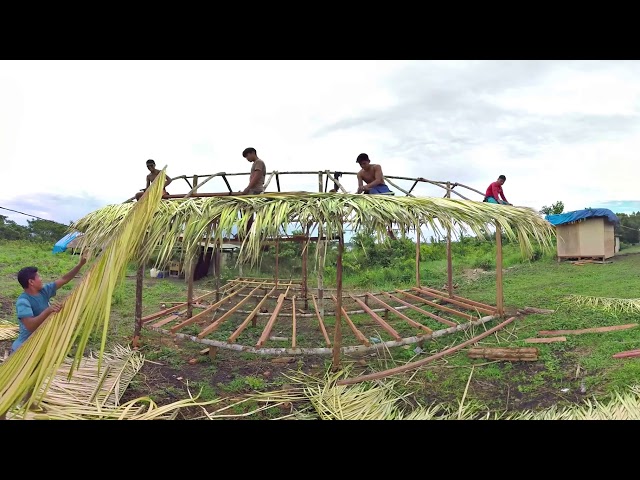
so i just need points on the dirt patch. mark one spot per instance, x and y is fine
(6, 307)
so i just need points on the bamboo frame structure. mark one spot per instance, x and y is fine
(410, 316)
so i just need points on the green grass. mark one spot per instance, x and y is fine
(582, 359)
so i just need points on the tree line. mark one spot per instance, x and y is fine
(35, 230)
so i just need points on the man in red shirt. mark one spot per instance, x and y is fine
(494, 192)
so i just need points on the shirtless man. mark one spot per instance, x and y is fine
(151, 165)
(372, 174)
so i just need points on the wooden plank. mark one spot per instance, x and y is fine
(504, 353)
(388, 328)
(499, 282)
(460, 303)
(435, 305)
(546, 340)
(169, 319)
(627, 354)
(420, 310)
(588, 330)
(267, 329)
(359, 335)
(322, 328)
(162, 313)
(214, 326)
(234, 336)
(191, 320)
(462, 299)
(410, 321)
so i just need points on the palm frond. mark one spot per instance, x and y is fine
(8, 330)
(608, 305)
(86, 309)
(199, 220)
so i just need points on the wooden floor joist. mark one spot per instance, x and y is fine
(410, 321)
(269, 326)
(193, 319)
(546, 340)
(166, 311)
(421, 310)
(388, 328)
(169, 319)
(293, 321)
(322, 327)
(214, 325)
(358, 334)
(458, 301)
(234, 336)
(452, 311)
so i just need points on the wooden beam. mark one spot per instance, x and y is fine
(250, 317)
(138, 312)
(293, 321)
(192, 272)
(191, 320)
(410, 321)
(463, 299)
(499, 291)
(449, 261)
(388, 328)
(322, 327)
(162, 313)
(337, 337)
(454, 301)
(452, 311)
(267, 329)
(546, 340)
(214, 326)
(413, 365)
(417, 256)
(358, 334)
(588, 330)
(422, 311)
(169, 319)
(526, 354)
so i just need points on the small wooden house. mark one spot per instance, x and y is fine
(587, 233)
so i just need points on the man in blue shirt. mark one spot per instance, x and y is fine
(32, 306)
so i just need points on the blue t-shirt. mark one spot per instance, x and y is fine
(31, 306)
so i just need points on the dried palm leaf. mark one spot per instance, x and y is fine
(191, 221)
(608, 305)
(8, 330)
(85, 310)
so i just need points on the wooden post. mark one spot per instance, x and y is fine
(305, 258)
(449, 265)
(337, 337)
(138, 315)
(320, 182)
(277, 254)
(499, 292)
(190, 274)
(417, 255)
(217, 264)
(195, 184)
(320, 256)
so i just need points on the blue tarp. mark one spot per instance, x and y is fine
(567, 217)
(61, 245)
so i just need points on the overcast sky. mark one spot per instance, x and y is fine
(75, 135)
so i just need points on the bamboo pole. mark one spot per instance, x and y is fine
(138, 314)
(277, 254)
(417, 255)
(337, 337)
(413, 365)
(449, 264)
(190, 275)
(499, 292)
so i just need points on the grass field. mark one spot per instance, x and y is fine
(565, 373)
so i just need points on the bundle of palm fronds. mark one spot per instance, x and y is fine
(196, 220)
(608, 305)
(8, 330)
(320, 398)
(87, 309)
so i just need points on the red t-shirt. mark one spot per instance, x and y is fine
(495, 191)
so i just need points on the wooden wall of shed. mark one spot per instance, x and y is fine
(593, 237)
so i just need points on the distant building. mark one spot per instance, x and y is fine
(587, 233)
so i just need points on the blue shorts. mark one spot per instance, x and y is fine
(379, 189)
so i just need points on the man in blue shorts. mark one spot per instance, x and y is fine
(371, 173)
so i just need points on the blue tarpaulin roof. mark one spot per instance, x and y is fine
(61, 245)
(567, 217)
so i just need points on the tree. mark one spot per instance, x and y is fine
(629, 228)
(554, 209)
(10, 230)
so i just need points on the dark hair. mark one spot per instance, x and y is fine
(26, 274)
(151, 161)
(247, 151)
(362, 157)
(502, 177)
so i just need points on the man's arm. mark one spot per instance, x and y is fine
(377, 170)
(360, 183)
(30, 322)
(66, 278)
(502, 195)
(167, 180)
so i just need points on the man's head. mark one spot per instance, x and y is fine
(363, 160)
(250, 154)
(502, 179)
(29, 277)
(151, 165)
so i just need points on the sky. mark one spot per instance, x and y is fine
(75, 135)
